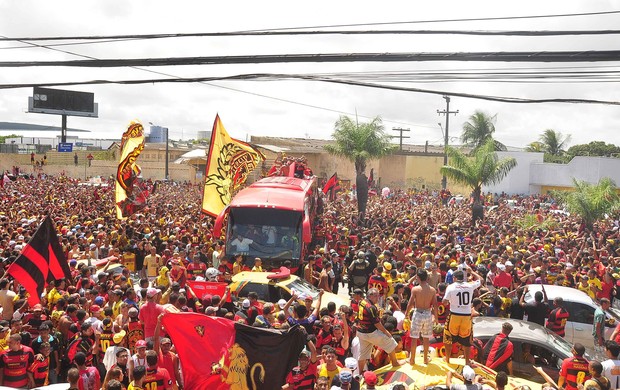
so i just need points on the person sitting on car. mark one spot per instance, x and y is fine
(499, 350)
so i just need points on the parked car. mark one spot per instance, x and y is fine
(581, 313)
(545, 348)
(272, 290)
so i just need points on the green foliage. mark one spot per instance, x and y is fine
(554, 142)
(594, 148)
(483, 168)
(529, 221)
(360, 142)
(592, 202)
(555, 159)
(4, 137)
(479, 130)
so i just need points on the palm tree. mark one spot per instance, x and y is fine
(554, 142)
(591, 202)
(479, 130)
(535, 146)
(360, 143)
(483, 168)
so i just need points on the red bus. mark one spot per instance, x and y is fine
(273, 219)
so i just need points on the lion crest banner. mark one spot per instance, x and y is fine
(229, 163)
(217, 353)
(130, 194)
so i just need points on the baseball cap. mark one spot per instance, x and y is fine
(133, 312)
(3, 329)
(99, 300)
(141, 344)
(501, 267)
(95, 309)
(118, 337)
(282, 303)
(509, 264)
(427, 264)
(350, 363)
(370, 378)
(346, 377)
(151, 292)
(246, 303)
(469, 374)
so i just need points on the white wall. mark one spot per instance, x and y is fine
(518, 179)
(589, 169)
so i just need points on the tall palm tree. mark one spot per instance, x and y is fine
(535, 146)
(591, 202)
(554, 142)
(360, 143)
(483, 168)
(479, 130)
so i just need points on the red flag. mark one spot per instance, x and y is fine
(203, 288)
(371, 178)
(40, 262)
(331, 183)
(216, 353)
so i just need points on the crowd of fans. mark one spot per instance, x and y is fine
(404, 265)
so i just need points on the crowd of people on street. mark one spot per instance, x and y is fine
(416, 269)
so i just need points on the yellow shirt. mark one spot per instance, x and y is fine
(132, 386)
(323, 371)
(257, 268)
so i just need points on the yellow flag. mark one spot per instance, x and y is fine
(130, 196)
(229, 163)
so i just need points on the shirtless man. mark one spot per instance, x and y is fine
(324, 282)
(423, 299)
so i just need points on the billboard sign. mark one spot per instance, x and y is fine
(65, 147)
(58, 101)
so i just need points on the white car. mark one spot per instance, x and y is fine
(580, 308)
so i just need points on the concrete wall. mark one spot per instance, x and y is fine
(589, 169)
(518, 180)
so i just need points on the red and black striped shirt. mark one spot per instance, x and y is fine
(14, 365)
(575, 371)
(498, 351)
(557, 321)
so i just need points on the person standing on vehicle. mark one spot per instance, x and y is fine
(575, 370)
(558, 317)
(598, 329)
(371, 332)
(358, 272)
(423, 300)
(459, 324)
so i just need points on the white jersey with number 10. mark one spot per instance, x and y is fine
(460, 295)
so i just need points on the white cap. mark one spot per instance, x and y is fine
(282, 303)
(501, 267)
(509, 264)
(246, 303)
(350, 363)
(469, 374)
(569, 265)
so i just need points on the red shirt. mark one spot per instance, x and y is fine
(148, 316)
(503, 279)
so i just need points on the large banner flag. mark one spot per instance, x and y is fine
(217, 353)
(130, 196)
(41, 261)
(331, 183)
(228, 165)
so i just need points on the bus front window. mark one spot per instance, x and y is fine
(265, 233)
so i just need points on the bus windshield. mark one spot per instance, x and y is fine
(265, 233)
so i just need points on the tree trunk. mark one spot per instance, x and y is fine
(361, 185)
(477, 209)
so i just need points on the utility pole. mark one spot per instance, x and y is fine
(446, 112)
(167, 157)
(400, 136)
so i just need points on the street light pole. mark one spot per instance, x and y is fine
(166, 173)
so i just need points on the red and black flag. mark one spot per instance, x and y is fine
(41, 261)
(331, 184)
(217, 353)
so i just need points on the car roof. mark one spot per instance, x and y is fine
(524, 330)
(567, 293)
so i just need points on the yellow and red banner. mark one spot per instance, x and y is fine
(130, 197)
(229, 163)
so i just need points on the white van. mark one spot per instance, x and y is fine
(580, 308)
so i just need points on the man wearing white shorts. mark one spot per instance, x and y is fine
(371, 332)
(423, 299)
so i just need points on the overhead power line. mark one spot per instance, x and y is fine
(133, 37)
(540, 56)
(279, 77)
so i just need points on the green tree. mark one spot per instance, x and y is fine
(4, 137)
(554, 142)
(483, 168)
(535, 146)
(478, 130)
(591, 202)
(360, 143)
(594, 148)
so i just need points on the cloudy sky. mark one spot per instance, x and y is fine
(310, 108)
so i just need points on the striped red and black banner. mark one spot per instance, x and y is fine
(40, 262)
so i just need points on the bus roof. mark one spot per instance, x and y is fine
(278, 192)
